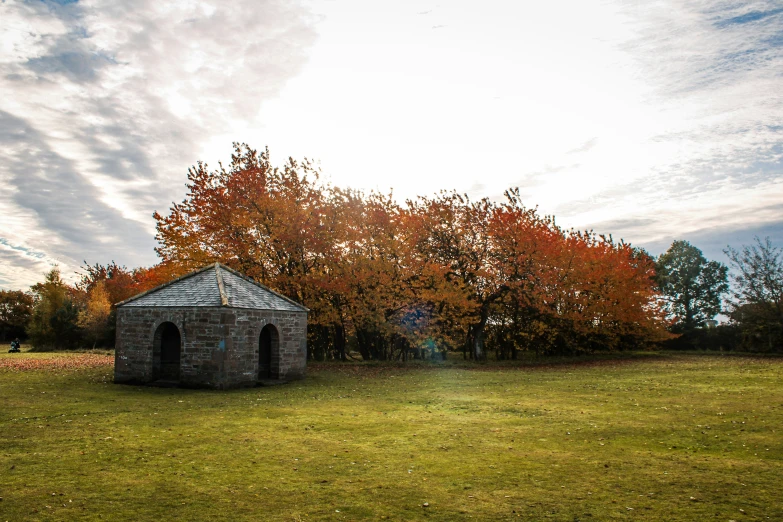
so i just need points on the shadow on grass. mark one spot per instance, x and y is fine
(531, 362)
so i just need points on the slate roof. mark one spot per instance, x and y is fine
(214, 285)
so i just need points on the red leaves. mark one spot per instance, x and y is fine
(26, 363)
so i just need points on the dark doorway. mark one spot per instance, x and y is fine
(166, 352)
(268, 350)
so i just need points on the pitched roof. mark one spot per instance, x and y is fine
(214, 285)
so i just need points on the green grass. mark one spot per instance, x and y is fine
(647, 438)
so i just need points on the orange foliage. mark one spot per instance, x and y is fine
(440, 273)
(56, 364)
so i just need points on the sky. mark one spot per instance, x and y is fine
(650, 121)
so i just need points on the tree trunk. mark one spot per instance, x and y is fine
(477, 344)
(339, 341)
(364, 348)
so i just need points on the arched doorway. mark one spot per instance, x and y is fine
(166, 352)
(268, 351)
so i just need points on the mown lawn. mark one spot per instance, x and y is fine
(659, 437)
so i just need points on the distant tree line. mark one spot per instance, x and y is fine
(695, 290)
(433, 276)
(55, 315)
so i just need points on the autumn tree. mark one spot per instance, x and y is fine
(256, 218)
(147, 278)
(567, 291)
(16, 308)
(371, 272)
(118, 282)
(277, 225)
(93, 319)
(55, 313)
(452, 243)
(106, 285)
(525, 247)
(691, 286)
(610, 300)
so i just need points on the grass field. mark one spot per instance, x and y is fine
(656, 437)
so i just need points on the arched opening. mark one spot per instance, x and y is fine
(268, 351)
(166, 352)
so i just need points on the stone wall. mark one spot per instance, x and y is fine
(219, 347)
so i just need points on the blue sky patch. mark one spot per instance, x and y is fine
(776, 41)
(78, 66)
(27, 251)
(753, 16)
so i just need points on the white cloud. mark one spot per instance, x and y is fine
(109, 102)
(643, 119)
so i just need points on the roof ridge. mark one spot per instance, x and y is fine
(169, 283)
(221, 286)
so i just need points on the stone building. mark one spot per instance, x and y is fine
(213, 328)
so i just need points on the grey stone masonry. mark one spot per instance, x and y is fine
(220, 344)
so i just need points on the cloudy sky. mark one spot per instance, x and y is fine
(652, 121)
